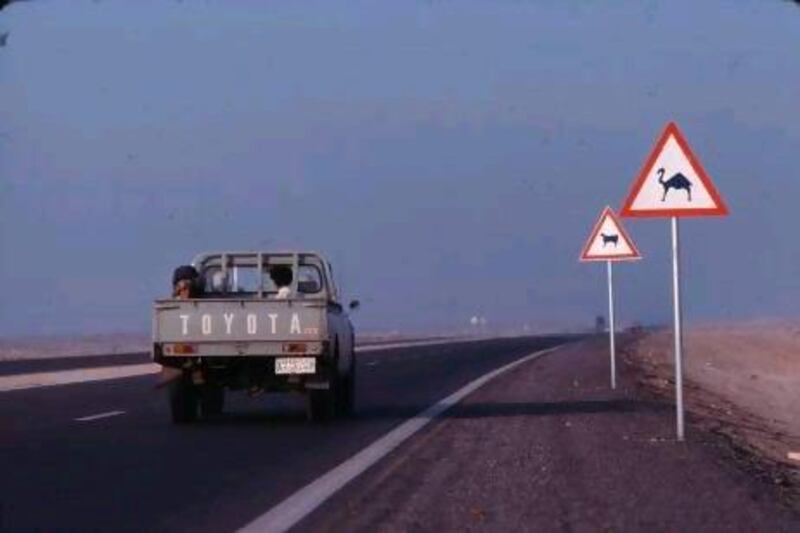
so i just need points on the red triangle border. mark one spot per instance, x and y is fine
(608, 212)
(672, 130)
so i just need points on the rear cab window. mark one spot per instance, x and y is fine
(241, 276)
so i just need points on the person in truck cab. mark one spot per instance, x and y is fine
(281, 276)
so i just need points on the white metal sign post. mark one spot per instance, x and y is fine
(673, 184)
(612, 325)
(677, 326)
(610, 242)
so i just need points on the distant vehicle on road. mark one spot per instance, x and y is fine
(600, 324)
(255, 321)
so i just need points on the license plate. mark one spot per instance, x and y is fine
(295, 365)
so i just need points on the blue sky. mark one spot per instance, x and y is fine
(449, 157)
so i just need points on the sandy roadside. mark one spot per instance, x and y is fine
(48, 347)
(741, 381)
(548, 447)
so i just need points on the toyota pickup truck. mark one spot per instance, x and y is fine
(255, 322)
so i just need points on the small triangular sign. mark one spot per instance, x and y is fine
(609, 241)
(673, 183)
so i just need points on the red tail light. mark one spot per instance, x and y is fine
(295, 347)
(179, 349)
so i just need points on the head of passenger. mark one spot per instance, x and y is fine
(219, 281)
(184, 282)
(281, 275)
(182, 290)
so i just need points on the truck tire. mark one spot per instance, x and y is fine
(347, 393)
(321, 405)
(183, 401)
(212, 400)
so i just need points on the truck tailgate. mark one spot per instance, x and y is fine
(244, 321)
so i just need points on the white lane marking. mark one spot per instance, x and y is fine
(300, 504)
(99, 416)
(85, 375)
(372, 363)
(78, 375)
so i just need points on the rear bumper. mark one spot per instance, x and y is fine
(253, 370)
(239, 349)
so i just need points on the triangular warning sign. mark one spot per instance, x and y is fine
(609, 241)
(673, 183)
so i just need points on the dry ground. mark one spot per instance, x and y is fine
(46, 347)
(742, 381)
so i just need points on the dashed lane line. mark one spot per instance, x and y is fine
(99, 416)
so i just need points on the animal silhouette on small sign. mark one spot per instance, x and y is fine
(677, 181)
(610, 239)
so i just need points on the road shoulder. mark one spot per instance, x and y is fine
(549, 447)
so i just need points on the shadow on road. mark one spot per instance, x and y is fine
(499, 409)
(297, 418)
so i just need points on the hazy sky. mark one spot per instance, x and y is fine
(449, 157)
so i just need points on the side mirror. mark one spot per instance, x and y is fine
(355, 304)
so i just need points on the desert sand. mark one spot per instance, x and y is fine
(742, 380)
(46, 347)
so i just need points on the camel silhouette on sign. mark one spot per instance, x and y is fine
(609, 238)
(677, 181)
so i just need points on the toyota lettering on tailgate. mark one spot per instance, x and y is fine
(211, 324)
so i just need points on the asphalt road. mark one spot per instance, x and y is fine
(135, 471)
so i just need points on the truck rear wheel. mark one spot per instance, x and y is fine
(347, 393)
(320, 407)
(183, 400)
(212, 400)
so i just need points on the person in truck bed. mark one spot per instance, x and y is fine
(219, 282)
(185, 282)
(282, 278)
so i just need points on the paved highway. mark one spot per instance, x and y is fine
(104, 456)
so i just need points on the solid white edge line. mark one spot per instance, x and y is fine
(77, 375)
(35, 380)
(99, 416)
(300, 504)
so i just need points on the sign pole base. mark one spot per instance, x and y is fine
(678, 327)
